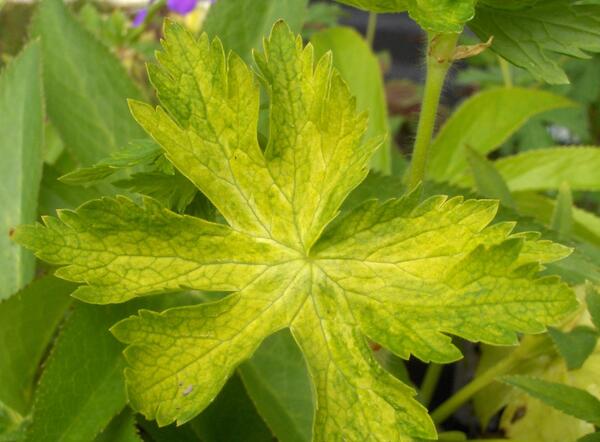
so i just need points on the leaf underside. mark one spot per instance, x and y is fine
(403, 273)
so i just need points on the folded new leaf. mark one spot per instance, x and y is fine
(403, 273)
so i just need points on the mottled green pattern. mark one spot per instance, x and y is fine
(403, 273)
(432, 15)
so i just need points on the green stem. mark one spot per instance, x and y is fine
(506, 72)
(531, 347)
(371, 28)
(440, 52)
(153, 9)
(430, 382)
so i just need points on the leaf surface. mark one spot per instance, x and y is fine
(403, 273)
(447, 16)
(574, 401)
(242, 24)
(575, 346)
(28, 321)
(535, 37)
(483, 123)
(349, 51)
(546, 169)
(82, 387)
(21, 139)
(86, 86)
(278, 383)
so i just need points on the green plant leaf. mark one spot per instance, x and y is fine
(232, 417)
(21, 139)
(483, 123)
(378, 5)
(593, 304)
(278, 383)
(488, 180)
(592, 437)
(86, 87)
(241, 25)
(586, 225)
(28, 321)
(82, 387)
(544, 169)
(139, 152)
(443, 16)
(349, 50)
(535, 37)
(570, 400)
(403, 273)
(575, 346)
(562, 217)
(121, 429)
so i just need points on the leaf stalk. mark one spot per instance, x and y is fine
(440, 56)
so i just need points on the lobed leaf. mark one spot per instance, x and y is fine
(404, 273)
(535, 34)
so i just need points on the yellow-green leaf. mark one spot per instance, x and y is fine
(404, 273)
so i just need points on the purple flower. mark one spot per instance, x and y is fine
(181, 7)
(140, 17)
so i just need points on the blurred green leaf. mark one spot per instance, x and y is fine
(592, 437)
(242, 24)
(232, 417)
(575, 346)
(136, 153)
(378, 5)
(570, 400)
(484, 122)
(545, 169)
(562, 217)
(537, 36)
(121, 429)
(350, 50)
(28, 321)
(86, 86)
(593, 304)
(82, 387)
(21, 138)
(277, 380)
(488, 180)
(447, 16)
(586, 225)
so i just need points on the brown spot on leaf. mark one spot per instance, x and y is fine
(518, 414)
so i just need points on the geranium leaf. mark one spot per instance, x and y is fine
(432, 15)
(535, 34)
(404, 273)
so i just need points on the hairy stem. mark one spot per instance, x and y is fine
(430, 382)
(371, 28)
(440, 53)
